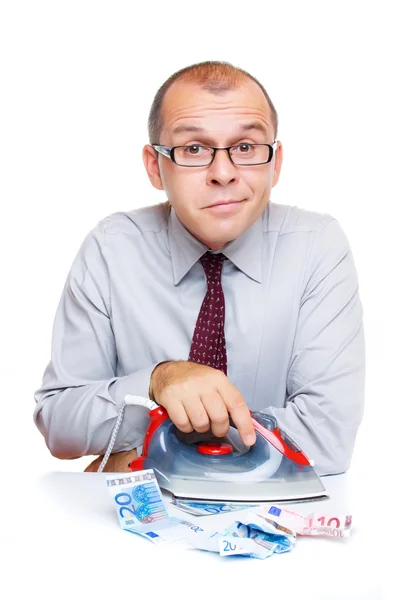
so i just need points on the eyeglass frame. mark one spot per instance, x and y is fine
(170, 153)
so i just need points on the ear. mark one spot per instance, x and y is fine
(278, 163)
(151, 164)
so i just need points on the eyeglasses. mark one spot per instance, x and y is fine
(202, 156)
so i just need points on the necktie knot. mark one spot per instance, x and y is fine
(212, 265)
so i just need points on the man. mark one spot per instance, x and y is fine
(214, 302)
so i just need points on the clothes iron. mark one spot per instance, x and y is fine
(204, 467)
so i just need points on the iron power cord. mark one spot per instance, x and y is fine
(129, 400)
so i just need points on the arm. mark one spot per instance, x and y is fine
(78, 402)
(325, 381)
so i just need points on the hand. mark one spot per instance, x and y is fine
(198, 397)
(117, 463)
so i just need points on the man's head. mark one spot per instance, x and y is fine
(214, 104)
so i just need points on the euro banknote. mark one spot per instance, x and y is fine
(226, 544)
(200, 508)
(141, 508)
(325, 524)
(281, 542)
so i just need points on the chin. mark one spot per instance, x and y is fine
(223, 235)
(216, 246)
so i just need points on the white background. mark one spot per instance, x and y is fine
(77, 81)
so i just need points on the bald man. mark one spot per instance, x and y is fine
(213, 302)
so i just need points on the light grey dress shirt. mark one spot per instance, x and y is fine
(293, 329)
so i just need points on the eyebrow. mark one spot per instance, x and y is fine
(244, 127)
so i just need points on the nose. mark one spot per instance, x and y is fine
(222, 171)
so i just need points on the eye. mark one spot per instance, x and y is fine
(194, 150)
(244, 148)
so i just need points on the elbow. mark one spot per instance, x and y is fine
(334, 461)
(60, 450)
(331, 467)
(60, 444)
(62, 447)
(335, 445)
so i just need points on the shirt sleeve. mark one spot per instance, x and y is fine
(325, 381)
(80, 396)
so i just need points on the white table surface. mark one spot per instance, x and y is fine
(63, 540)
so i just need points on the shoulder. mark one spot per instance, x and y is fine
(285, 219)
(110, 232)
(318, 237)
(136, 222)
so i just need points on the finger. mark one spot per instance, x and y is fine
(177, 413)
(217, 413)
(239, 412)
(197, 414)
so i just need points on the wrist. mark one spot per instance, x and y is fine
(153, 379)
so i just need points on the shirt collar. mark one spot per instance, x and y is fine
(244, 251)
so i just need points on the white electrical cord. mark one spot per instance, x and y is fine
(129, 400)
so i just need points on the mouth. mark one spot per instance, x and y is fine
(224, 205)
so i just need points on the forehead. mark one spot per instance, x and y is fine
(188, 104)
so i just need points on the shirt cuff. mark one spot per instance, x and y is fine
(135, 420)
(137, 384)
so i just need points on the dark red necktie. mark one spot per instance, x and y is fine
(208, 343)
